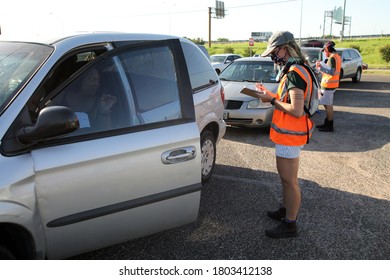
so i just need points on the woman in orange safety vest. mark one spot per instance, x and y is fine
(329, 83)
(290, 127)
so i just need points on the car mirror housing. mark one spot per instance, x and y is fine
(52, 121)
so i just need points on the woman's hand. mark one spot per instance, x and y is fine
(105, 104)
(266, 95)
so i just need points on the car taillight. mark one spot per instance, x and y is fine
(223, 95)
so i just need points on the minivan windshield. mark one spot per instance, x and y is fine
(18, 62)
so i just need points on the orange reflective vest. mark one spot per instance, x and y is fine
(332, 81)
(285, 128)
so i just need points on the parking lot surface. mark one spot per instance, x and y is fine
(344, 178)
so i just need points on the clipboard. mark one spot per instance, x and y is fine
(251, 92)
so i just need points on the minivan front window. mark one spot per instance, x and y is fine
(18, 62)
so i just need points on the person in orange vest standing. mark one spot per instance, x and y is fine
(290, 129)
(329, 83)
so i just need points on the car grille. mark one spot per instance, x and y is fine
(238, 121)
(233, 105)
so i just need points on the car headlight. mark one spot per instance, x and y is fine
(257, 104)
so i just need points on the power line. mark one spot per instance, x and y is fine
(205, 10)
(262, 4)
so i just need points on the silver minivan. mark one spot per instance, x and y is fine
(105, 137)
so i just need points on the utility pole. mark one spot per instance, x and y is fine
(219, 13)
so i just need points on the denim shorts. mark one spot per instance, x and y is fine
(288, 151)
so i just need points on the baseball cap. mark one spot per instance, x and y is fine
(277, 39)
(330, 46)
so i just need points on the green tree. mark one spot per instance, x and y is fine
(198, 41)
(222, 40)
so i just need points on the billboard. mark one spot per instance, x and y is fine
(261, 36)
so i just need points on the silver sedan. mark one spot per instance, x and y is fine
(243, 110)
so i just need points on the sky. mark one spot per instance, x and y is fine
(304, 18)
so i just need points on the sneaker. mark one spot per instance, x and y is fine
(278, 214)
(283, 230)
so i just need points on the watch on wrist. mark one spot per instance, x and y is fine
(273, 101)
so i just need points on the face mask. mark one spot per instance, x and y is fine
(278, 60)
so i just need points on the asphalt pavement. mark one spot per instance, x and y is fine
(344, 178)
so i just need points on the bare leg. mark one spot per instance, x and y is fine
(291, 193)
(329, 112)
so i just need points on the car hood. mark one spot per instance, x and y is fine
(232, 89)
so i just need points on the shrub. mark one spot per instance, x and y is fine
(385, 51)
(228, 50)
(247, 52)
(356, 47)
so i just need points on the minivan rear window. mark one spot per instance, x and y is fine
(202, 74)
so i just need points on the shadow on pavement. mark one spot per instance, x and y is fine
(333, 224)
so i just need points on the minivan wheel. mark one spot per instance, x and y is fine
(208, 147)
(358, 76)
(6, 254)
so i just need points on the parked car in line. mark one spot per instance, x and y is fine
(317, 43)
(351, 61)
(221, 61)
(103, 139)
(312, 55)
(241, 109)
(351, 65)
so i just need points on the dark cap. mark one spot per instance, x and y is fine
(277, 39)
(329, 46)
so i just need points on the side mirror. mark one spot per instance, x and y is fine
(52, 121)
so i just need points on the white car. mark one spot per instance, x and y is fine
(243, 110)
(221, 61)
(80, 175)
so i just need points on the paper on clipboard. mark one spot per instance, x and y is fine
(251, 92)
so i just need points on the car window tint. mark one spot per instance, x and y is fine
(256, 71)
(201, 73)
(151, 74)
(354, 54)
(346, 54)
(97, 98)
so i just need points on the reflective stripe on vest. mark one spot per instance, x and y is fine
(332, 81)
(291, 132)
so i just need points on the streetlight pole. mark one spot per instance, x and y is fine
(209, 27)
(342, 23)
(300, 26)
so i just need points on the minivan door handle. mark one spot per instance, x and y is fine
(178, 155)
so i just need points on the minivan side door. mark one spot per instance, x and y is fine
(135, 175)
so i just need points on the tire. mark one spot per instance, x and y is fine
(357, 76)
(208, 147)
(6, 254)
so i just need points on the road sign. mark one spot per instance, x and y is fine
(251, 42)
